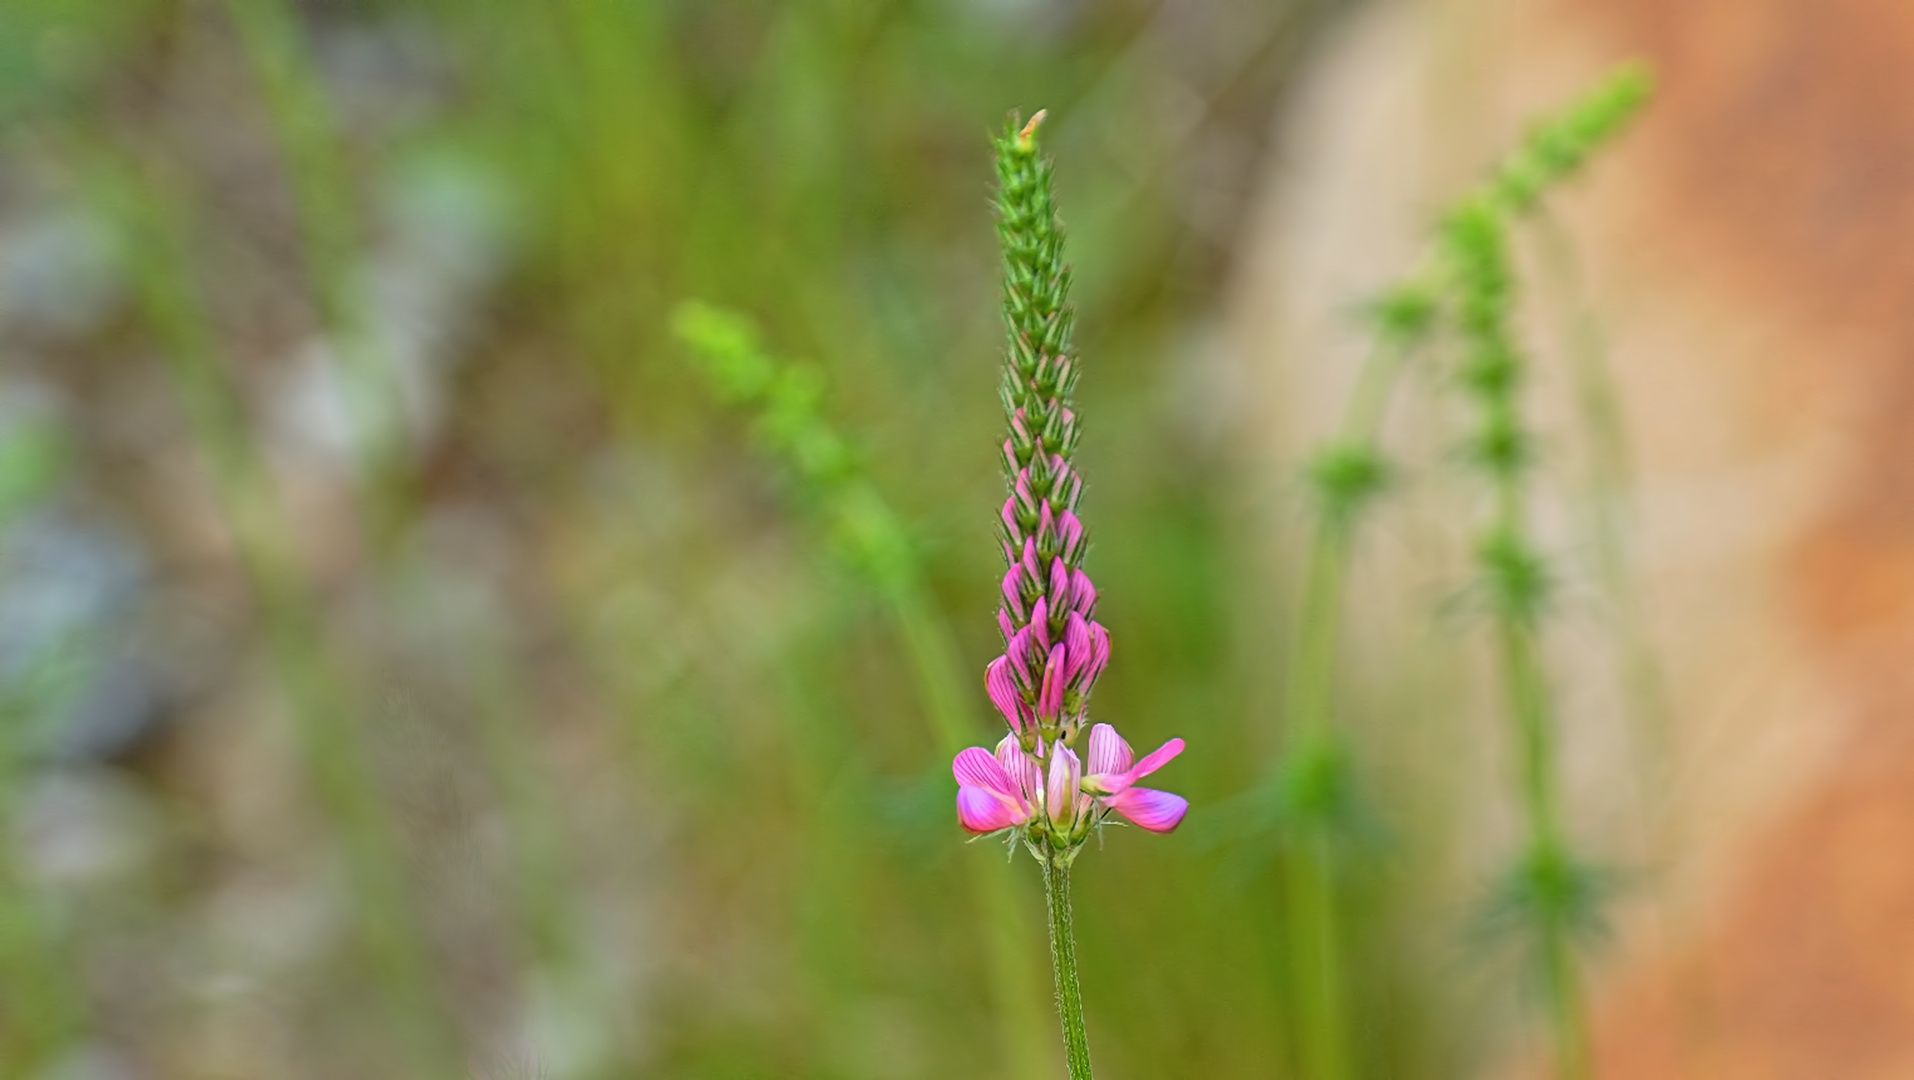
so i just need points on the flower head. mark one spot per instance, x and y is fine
(1054, 795)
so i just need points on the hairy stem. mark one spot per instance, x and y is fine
(1063, 960)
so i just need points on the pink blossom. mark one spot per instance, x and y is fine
(1113, 776)
(995, 791)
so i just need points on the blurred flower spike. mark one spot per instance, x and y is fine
(1054, 649)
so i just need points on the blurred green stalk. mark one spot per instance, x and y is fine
(1347, 475)
(785, 398)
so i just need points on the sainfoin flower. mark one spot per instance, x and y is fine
(1009, 788)
(1054, 649)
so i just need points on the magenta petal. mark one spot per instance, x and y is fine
(976, 767)
(1013, 590)
(1154, 760)
(1099, 653)
(1083, 594)
(1076, 644)
(981, 811)
(1060, 585)
(1022, 769)
(1109, 754)
(1040, 622)
(1157, 811)
(1018, 652)
(1003, 693)
(1004, 624)
(1050, 698)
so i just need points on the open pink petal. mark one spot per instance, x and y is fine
(1109, 754)
(1022, 769)
(1153, 761)
(1157, 811)
(976, 767)
(982, 811)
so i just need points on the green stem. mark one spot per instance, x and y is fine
(1063, 960)
(1528, 696)
(1316, 959)
(1528, 699)
(1315, 941)
(936, 661)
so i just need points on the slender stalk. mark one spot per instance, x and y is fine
(1517, 583)
(1347, 476)
(1063, 961)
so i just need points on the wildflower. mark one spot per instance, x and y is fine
(1063, 802)
(1113, 776)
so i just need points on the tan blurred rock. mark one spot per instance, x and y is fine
(1750, 250)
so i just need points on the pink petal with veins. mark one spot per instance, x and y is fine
(1022, 769)
(1003, 693)
(1157, 811)
(977, 767)
(1050, 698)
(1153, 761)
(982, 811)
(1109, 754)
(1076, 644)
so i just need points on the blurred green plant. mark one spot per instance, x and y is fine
(786, 400)
(1465, 286)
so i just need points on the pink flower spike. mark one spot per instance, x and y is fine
(1003, 693)
(1109, 754)
(1147, 808)
(1066, 775)
(1050, 698)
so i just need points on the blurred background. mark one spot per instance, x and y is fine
(413, 662)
